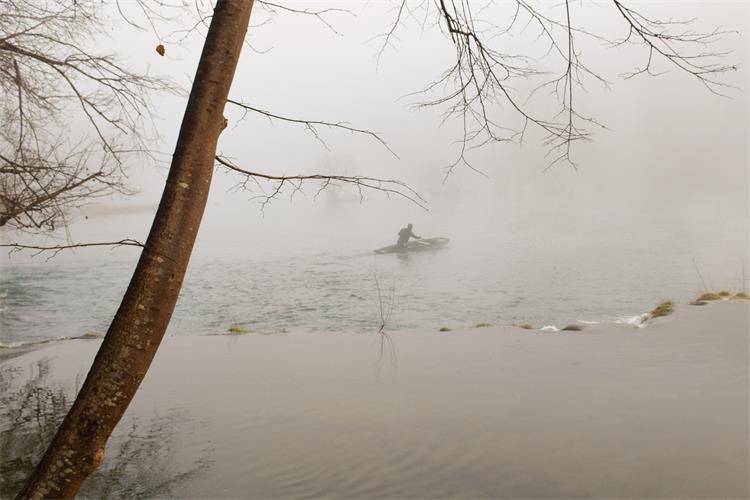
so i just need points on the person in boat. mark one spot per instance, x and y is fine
(404, 235)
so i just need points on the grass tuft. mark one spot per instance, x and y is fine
(526, 326)
(237, 329)
(724, 293)
(91, 335)
(664, 309)
(742, 295)
(698, 303)
(709, 296)
(482, 325)
(444, 329)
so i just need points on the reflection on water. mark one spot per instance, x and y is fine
(140, 458)
(30, 416)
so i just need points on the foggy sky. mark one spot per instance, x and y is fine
(673, 151)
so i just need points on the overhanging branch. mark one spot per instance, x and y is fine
(311, 125)
(55, 249)
(391, 187)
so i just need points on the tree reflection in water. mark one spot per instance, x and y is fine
(140, 461)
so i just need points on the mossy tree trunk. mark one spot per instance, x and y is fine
(139, 325)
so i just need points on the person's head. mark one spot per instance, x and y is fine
(409, 226)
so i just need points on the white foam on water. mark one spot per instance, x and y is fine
(636, 321)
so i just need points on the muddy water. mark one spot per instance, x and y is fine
(612, 411)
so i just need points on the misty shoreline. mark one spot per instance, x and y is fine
(12, 349)
(321, 281)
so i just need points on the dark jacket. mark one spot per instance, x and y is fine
(404, 235)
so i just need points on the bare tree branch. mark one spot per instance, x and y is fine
(486, 79)
(48, 80)
(319, 14)
(55, 249)
(391, 187)
(310, 125)
(678, 48)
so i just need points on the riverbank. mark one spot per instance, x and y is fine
(609, 411)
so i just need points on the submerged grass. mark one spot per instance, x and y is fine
(664, 309)
(709, 296)
(92, 335)
(723, 294)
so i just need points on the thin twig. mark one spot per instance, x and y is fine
(388, 186)
(55, 249)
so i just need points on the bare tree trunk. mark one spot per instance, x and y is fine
(139, 325)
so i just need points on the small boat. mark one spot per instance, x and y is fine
(419, 245)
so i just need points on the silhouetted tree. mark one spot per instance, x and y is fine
(142, 318)
(51, 80)
(540, 85)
